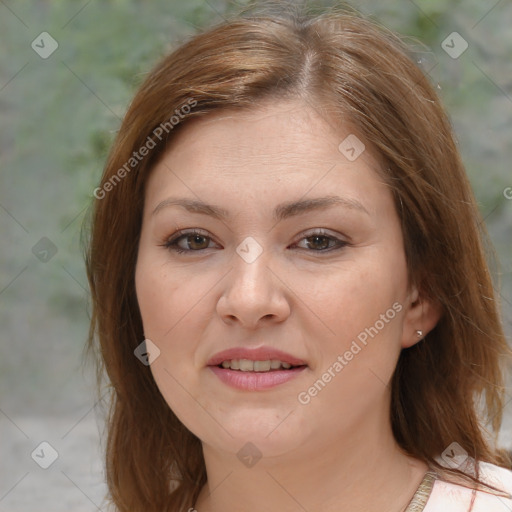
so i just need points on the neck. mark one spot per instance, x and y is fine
(365, 471)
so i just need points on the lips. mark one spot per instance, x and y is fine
(246, 369)
(254, 354)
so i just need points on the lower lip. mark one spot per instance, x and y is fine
(255, 381)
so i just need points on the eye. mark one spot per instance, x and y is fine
(184, 242)
(194, 241)
(320, 241)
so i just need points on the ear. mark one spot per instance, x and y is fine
(420, 315)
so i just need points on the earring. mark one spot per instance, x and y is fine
(419, 333)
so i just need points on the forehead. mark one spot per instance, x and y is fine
(276, 149)
(284, 130)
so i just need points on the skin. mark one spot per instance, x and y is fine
(337, 452)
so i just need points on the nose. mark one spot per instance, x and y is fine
(254, 294)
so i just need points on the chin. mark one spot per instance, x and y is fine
(269, 432)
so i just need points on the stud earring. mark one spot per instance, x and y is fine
(419, 333)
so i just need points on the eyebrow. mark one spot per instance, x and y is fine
(281, 212)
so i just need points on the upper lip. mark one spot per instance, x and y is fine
(254, 354)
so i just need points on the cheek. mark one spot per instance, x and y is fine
(165, 296)
(351, 300)
(165, 308)
(363, 309)
(176, 307)
(152, 298)
(358, 360)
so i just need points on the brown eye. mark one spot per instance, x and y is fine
(321, 242)
(318, 242)
(188, 242)
(196, 242)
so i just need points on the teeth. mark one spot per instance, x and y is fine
(261, 366)
(246, 365)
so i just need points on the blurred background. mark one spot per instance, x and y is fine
(67, 73)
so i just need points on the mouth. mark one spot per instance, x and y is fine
(261, 359)
(255, 369)
(247, 365)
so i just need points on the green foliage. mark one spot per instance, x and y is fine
(60, 115)
(72, 103)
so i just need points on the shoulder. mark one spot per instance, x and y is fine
(453, 497)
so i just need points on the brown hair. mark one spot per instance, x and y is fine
(358, 72)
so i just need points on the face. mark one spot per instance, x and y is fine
(272, 272)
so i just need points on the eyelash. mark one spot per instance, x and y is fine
(171, 243)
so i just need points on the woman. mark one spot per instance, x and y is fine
(289, 287)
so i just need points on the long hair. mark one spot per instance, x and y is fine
(351, 70)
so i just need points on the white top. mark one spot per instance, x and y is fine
(451, 497)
